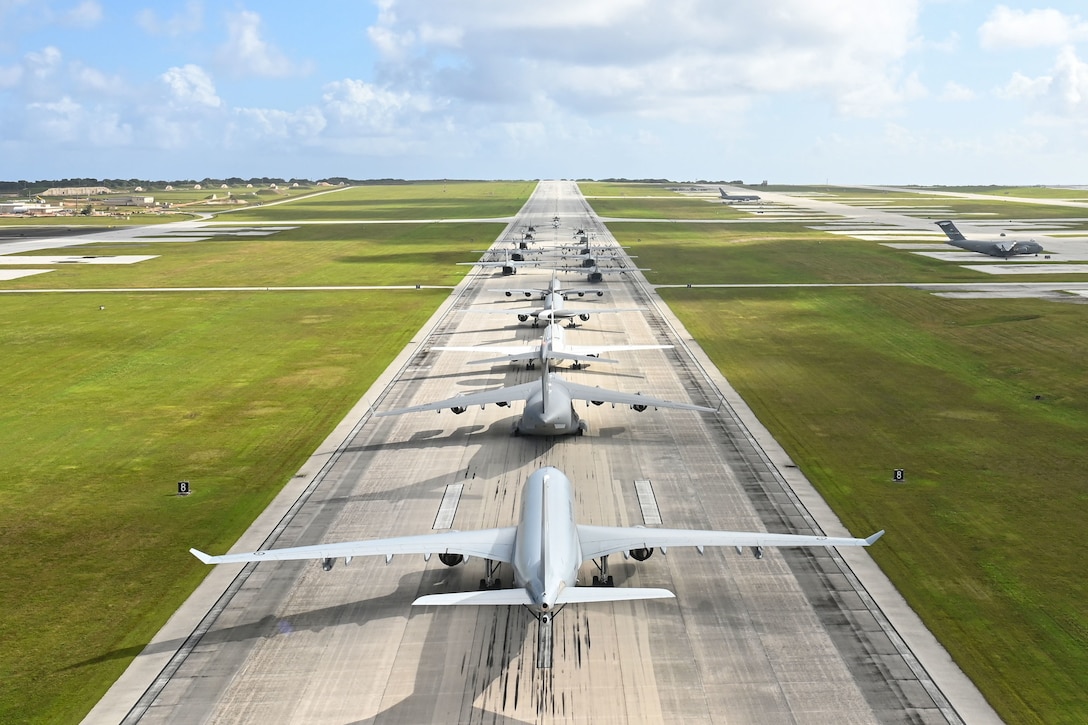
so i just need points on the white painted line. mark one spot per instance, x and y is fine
(647, 501)
(448, 508)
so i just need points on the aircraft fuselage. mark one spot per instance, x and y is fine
(549, 411)
(547, 551)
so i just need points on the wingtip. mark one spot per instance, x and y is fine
(201, 555)
(872, 539)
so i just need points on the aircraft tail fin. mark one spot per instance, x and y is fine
(581, 595)
(490, 597)
(950, 230)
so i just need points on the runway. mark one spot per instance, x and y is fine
(791, 638)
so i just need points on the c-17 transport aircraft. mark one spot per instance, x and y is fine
(994, 249)
(552, 346)
(549, 404)
(545, 550)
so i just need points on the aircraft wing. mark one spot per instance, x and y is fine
(552, 355)
(499, 395)
(494, 544)
(603, 540)
(595, 394)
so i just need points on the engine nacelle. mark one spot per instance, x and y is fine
(641, 554)
(458, 409)
(597, 402)
(600, 294)
(529, 294)
(502, 403)
(584, 317)
(451, 559)
(509, 294)
(523, 318)
(581, 294)
(326, 564)
(638, 407)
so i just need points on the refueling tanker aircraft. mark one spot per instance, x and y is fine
(552, 346)
(554, 287)
(549, 404)
(545, 551)
(555, 309)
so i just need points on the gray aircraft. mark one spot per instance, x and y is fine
(551, 346)
(545, 551)
(549, 404)
(994, 249)
(726, 196)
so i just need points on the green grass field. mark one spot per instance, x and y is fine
(335, 254)
(423, 200)
(106, 409)
(780, 254)
(678, 207)
(981, 538)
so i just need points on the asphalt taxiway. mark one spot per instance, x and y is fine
(807, 636)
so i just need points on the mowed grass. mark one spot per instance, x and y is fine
(780, 254)
(417, 200)
(982, 536)
(105, 410)
(335, 254)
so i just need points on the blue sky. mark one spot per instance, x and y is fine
(792, 91)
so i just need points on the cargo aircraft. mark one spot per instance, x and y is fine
(994, 249)
(545, 550)
(549, 404)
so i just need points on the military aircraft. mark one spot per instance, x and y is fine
(549, 404)
(509, 263)
(726, 196)
(544, 550)
(554, 309)
(552, 346)
(554, 287)
(994, 249)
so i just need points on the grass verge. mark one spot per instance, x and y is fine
(105, 410)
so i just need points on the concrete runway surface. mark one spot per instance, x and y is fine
(792, 638)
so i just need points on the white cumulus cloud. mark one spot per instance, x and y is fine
(1011, 28)
(247, 53)
(187, 20)
(189, 85)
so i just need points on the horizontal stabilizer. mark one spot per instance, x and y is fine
(576, 595)
(492, 597)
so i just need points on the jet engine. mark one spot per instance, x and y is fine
(451, 559)
(523, 318)
(458, 409)
(638, 407)
(641, 554)
(584, 317)
(597, 402)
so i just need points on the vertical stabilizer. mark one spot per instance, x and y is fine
(950, 230)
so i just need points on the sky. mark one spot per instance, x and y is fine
(788, 91)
